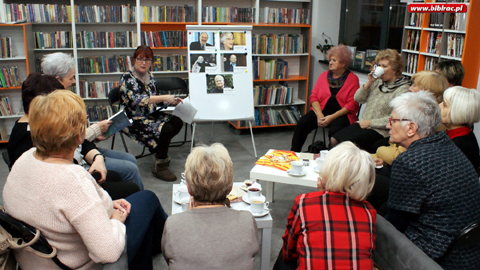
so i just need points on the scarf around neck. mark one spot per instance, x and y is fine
(458, 132)
(392, 86)
(338, 82)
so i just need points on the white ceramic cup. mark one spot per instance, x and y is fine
(378, 72)
(297, 167)
(182, 192)
(254, 191)
(184, 202)
(258, 204)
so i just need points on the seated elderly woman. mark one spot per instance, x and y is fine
(87, 155)
(210, 235)
(460, 110)
(48, 191)
(376, 93)
(331, 101)
(434, 189)
(62, 66)
(333, 226)
(452, 70)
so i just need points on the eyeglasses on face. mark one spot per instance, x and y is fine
(144, 60)
(392, 120)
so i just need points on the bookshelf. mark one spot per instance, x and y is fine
(21, 40)
(148, 18)
(442, 36)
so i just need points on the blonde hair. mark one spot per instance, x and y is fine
(431, 81)
(393, 57)
(209, 173)
(55, 122)
(464, 105)
(348, 169)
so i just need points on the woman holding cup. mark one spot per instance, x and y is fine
(202, 237)
(316, 233)
(376, 93)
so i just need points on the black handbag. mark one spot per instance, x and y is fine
(316, 147)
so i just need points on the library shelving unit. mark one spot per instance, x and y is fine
(432, 37)
(22, 57)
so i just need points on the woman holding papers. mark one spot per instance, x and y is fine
(151, 127)
(62, 67)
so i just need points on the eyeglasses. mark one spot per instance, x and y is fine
(392, 120)
(144, 60)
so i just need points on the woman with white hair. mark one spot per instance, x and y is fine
(434, 189)
(210, 235)
(227, 41)
(335, 225)
(460, 110)
(63, 67)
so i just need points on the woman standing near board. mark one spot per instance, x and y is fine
(151, 128)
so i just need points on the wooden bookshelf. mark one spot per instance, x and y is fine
(470, 57)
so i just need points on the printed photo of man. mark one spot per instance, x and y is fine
(201, 44)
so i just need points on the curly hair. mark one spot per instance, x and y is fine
(342, 52)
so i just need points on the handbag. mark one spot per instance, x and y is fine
(316, 147)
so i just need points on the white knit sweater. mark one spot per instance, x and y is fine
(65, 203)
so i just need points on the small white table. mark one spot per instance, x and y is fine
(273, 175)
(264, 224)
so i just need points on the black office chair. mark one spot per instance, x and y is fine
(21, 230)
(114, 97)
(173, 86)
(468, 237)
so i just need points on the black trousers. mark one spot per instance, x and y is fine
(363, 138)
(282, 265)
(169, 130)
(308, 122)
(116, 188)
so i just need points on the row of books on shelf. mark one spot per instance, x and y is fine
(411, 63)
(5, 109)
(364, 59)
(430, 62)
(270, 69)
(9, 77)
(455, 43)
(99, 112)
(416, 19)
(164, 38)
(413, 40)
(284, 15)
(458, 21)
(104, 64)
(279, 44)
(436, 20)
(104, 39)
(274, 116)
(96, 89)
(53, 40)
(173, 62)
(434, 40)
(102, 14)
(228, 14)
(6, 47)
(167, 14)
(273, 94)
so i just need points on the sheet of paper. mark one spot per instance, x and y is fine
(185, 111)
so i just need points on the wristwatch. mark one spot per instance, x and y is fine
(95, 156)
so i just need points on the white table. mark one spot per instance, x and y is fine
(264, 224)
(273, 175)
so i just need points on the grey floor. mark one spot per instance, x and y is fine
(239, 145)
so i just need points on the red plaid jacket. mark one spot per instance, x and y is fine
(328, 230)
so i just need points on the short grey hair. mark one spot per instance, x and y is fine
(225, 35)
(58, 64)
(420, 108)
(348, 169)
(464, 104)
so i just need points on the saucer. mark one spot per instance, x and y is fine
(316, 169)
(379, 166)
(264, 212)
(247, 200)
(176, 199)
(289, 172)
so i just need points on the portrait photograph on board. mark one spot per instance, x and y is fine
(234, 62)
(201, 62)
(202, 41)
(219, 84)
(230, 41)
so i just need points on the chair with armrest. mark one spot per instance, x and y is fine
(173, 86)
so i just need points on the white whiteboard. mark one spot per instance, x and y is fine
(236, 101)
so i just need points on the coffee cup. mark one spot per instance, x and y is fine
(184, 202)
(182, 192)
(378, 72)
(258, 204)
(254, 191)
(297, 167)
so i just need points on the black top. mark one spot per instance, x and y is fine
(469, 146)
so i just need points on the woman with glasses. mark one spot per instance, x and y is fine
(139, 98)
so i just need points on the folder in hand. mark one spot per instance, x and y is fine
(120, 121)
